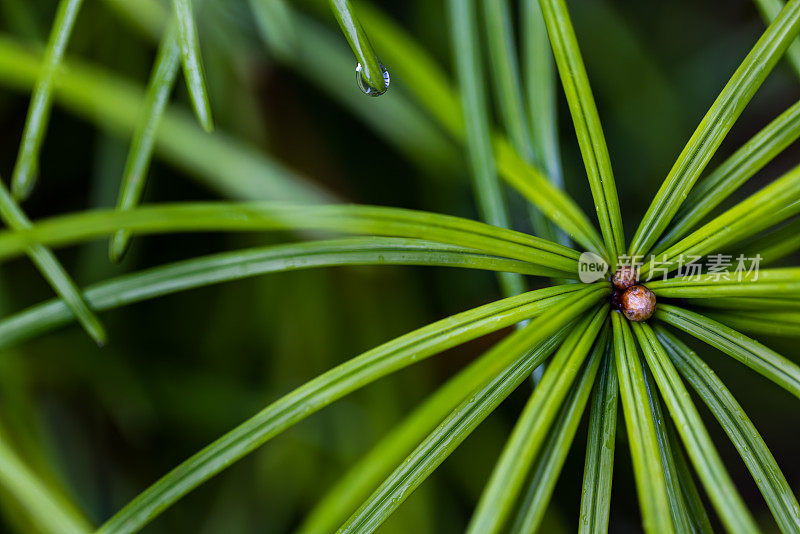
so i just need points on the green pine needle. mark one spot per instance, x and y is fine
(26, 170)
(191, 58)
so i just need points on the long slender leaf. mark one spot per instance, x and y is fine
(371, 70)
(221, 216)
(327, 64)
(769, 10)
(720, 488)
(775, 244)
(751, 353)
(357, 484)
(47, 510)
(599, 466)
(715, 126)
(505, 74)
(748, 303)
(550, 200)
(587, 124)
(318, 393)
(191, 59)
(51, 269)
(691, 495)
(162, 80)
(217, 268)
(531, 429)
(649, 473)
(734, 171)
(430, 86)
(457, 426)
(677, 504)
(548, 466)
(770, 323)
(26, 169)
(740, 430)
(540, 90)
(775, 203)
(422, 75)
(776, 283)
(230, 167)
(489, 195)
(21, 421)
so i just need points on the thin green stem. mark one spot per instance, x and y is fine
(733, 173)
(26, 169)
(647, 468)
(134, 178)
(677, 504)
(748, 303)
(47, 263)
(320, 392)
(760, 323)
(775, 203)
(715, 126)
(192, 61)
(486, 186)
(720, 488)
(587, 125)
(266, 216)
(471, 383)
(530, 431)
(227, 165)
(431, 87)
(598, 468)
(457, 426)
(540, 91)
(371, 69)
(761, 359)
(739, 428)
(505, 76)
(223, 267)
(775, 283)
(47, 510)
(769, 10)
(775, 244)
(546, 470)
(691, 495)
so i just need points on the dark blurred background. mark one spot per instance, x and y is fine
(181, 370)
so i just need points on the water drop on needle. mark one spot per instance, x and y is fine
(366, 87)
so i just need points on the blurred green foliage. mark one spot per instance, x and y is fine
(181, 370)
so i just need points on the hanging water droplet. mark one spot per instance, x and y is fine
(366, 87)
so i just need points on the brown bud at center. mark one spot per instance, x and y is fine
(624, 278)
(638, 303)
